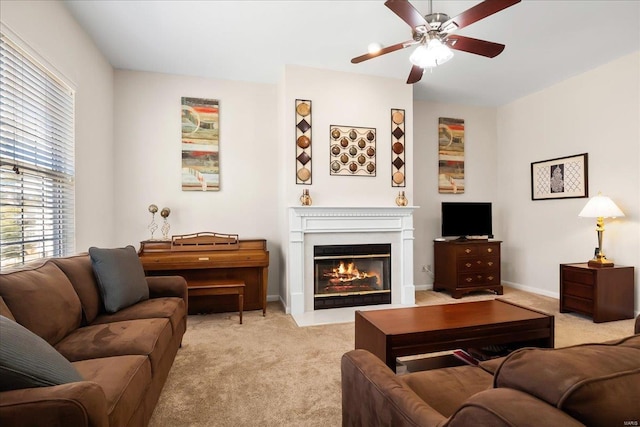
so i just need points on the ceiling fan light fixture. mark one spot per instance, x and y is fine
(431, 55)
(374, 47)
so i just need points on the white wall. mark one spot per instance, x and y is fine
(49, 29)
(598, 113)
(350, 100)
(346, 99)
(148, 160)
(480, 174)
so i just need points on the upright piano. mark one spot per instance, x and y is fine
(204, 258)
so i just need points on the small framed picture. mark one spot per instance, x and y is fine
(561, 178)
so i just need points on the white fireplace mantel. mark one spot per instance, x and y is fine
(321, 225)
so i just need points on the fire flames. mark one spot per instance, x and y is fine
(349, 273)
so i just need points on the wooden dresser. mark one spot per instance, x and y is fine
(605, 293)
(245, 260)
(463, 266)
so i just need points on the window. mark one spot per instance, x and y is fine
(36, 160)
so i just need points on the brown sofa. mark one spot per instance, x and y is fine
(588, 384)
(123, 357)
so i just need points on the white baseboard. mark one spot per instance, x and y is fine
(538, 291)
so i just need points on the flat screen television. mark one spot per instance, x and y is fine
(464, 219)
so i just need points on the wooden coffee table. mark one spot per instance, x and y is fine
(397, 332)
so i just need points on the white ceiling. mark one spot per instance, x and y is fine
(547, 41)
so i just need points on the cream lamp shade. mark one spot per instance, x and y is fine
(600, 207)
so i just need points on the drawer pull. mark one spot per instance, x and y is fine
(467, 250)
(468, 279)
(479, 277)
(489, 250)
(490, 277)
(490, 263)
(468, 264)
(203, 258)
(478, 262)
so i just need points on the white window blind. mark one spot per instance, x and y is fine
(36, 160)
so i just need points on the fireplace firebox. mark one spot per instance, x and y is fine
(351, 275)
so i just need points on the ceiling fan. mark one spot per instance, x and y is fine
(433, 35)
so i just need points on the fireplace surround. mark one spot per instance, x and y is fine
(311, 226)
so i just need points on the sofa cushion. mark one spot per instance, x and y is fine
(27, 361)
(124, 380)
(120, 277)
(598, 384)
(168, 308)
(454, 386)
(147, 337)
(79, 270)
(4, 310)
(30, 293)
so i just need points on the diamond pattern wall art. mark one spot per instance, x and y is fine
(352, 151)
(303, 142)
(450, 155)
(561, 178)
(398, 175)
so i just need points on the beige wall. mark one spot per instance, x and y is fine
(48, 29)
(131, 158)
(480, 174)
(148, 160)
(598, 113)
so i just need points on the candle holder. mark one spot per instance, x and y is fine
(305, 199)
(164, 213)
(153, 226)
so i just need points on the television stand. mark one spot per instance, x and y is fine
(463, 266)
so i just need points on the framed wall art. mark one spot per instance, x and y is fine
(561, 178)
(303, 142)
(200, 144)
(352, 151)
(398, 173)
(450, 155)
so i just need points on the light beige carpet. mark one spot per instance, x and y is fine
(270, 372)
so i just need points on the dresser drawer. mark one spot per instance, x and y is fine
(578, 304)
(477, 264)
(480, 278)
(475, 250)
(577, 290)
(577, 276)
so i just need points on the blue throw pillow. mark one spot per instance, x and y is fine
(27, 361)
(120, 277)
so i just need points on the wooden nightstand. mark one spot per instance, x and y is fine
(605, 293)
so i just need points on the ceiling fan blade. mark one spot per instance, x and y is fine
(476, 13)
(408, 14)
(471, 45)
(415, 75)
(383, 51)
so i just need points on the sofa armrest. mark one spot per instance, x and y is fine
(67, 405)
(167, 286)
(372, 395)
(506, 407)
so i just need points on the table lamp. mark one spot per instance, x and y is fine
(600, 207)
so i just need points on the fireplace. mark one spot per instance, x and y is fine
(351, 275)
(311, 226)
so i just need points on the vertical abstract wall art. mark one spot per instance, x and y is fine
(450, 156)
(398, 175)
(303, 142)
(200, 144)
(352, 151)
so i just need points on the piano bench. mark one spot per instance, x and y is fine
(221, 287)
